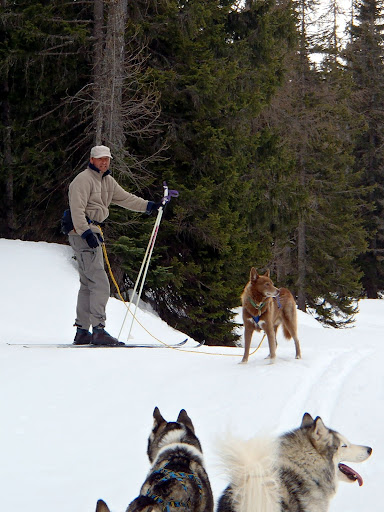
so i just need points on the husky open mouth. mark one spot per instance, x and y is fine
(350, 473)
(297, 472)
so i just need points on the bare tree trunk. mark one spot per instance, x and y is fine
(108, 72)
(301, 266)
(98, 34)
(114, 73)
(334, 32)
(116, 114)
(301, 240)
(7, 151)
(7, 156)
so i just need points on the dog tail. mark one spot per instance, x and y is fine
(289, 321)
(251, 468)
(286, 333)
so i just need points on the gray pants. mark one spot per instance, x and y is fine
(94, 285)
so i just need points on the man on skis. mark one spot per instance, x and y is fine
(90, 195)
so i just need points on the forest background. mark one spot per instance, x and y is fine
(278, 156)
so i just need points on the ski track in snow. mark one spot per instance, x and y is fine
(325, 389)
(74, 424)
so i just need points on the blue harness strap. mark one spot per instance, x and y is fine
(180, 477)
(259, 307)
(170, 503)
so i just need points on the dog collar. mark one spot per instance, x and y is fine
(259, 307)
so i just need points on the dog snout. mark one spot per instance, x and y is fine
(364, 453)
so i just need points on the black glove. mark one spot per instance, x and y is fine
(90, 237)
(153, 207)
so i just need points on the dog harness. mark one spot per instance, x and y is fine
(180, 477)
(260, 306)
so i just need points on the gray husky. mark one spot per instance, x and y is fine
(177, 479)
(297, 472)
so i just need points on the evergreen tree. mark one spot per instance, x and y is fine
(259, 184)
(365, 61)
(59, 73)
(216, 69)
(311, 116)
(43, 51)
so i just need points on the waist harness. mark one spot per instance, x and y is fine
(67, 224)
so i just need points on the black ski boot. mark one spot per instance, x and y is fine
(102, 338)
(83, 337)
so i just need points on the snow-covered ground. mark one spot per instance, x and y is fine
(74, 423)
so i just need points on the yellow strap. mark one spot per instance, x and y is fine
(118, 289)
(145, 329)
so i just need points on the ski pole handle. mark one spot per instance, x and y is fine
(168, 194)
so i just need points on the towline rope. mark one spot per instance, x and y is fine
(146, 330)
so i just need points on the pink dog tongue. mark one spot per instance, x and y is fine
(351, 473)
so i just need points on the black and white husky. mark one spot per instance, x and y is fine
(297, 472)
(177, 479)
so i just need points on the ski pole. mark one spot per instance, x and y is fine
(168, 194)
(140, 272)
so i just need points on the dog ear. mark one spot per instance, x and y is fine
(307, 420)
(320, 429)
(158, 417)
(184, 418)
(268, 273)
(253, 275)
(101, 506)
(320, 435)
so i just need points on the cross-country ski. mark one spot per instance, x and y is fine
(127, 345)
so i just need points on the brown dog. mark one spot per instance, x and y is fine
(265, 307)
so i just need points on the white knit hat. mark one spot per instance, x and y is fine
(99, 151)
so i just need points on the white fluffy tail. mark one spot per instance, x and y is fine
(251, 468)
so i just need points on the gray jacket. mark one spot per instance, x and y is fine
(91, 193)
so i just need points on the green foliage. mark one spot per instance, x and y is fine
(132, 252)
(42, 59)
(311, 127)
(275, 165)
(216, 70)
(365, 64)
